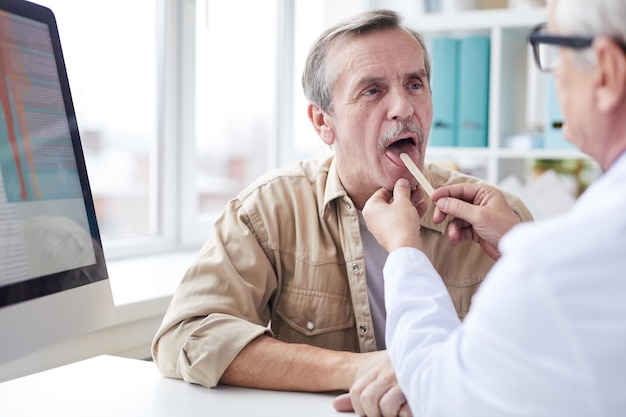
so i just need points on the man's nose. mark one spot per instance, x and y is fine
(400, 107)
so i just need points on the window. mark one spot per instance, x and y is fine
(182, 103)
(110, 49)
(250, 111)
(235, 96)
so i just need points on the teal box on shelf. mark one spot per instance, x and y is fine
(444, 86)
(473, 91)
(553, 135)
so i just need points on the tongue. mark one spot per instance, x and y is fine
(393, 152)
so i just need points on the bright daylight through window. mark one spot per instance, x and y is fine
(110, 53)
(181, 104)
(235, 96)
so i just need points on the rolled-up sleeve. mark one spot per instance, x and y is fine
(221, 304)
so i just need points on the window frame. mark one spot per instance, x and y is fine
(165, 149)
(194, 229)
(180, 227)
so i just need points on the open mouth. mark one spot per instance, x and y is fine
(402, 145)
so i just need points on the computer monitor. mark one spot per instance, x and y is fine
(53, 279)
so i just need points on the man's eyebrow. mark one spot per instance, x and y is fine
(364, 82)
(419, 74)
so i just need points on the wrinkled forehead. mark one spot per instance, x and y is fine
(371, 40)
(355, 53)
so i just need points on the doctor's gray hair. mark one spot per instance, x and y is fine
(596, 18)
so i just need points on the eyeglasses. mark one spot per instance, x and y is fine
(546, 46)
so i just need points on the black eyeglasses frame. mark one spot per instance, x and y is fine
(536, 38)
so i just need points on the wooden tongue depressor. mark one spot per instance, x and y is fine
(417, 174)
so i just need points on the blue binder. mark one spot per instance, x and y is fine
(553, 136)
(473, 98)
(444, 74)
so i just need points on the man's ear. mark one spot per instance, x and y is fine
(611, 74)
(322, 123)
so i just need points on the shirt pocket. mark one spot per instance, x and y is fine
(315, 318)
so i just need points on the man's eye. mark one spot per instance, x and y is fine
(416, 86)
(370, 91)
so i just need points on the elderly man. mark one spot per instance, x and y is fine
(546, 335)
(287, 293)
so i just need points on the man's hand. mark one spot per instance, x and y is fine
(375, 394)
(395, 219)
(480, 213)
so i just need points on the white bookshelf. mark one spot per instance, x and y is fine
(510, 59)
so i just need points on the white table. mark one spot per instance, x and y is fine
(114, 387)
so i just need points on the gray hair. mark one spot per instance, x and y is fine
(592, 18)
(317, 79)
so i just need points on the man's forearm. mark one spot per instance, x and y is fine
(268, 363)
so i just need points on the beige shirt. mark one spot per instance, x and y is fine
(286, 259)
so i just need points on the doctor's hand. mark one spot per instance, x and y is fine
(394, 219)
(479, 213)
(376, 393)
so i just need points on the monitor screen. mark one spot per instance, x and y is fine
(53, 279)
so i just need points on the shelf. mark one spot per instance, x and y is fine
(478, 20)
(540, 154)
(510, 66)
(437, 152)
(446, 151)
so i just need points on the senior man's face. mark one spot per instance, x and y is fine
(382, 106)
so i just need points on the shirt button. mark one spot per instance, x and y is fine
(355, 267)
(310, 325)
(363, 328)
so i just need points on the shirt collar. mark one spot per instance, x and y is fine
(334, 189)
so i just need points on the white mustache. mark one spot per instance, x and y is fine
(392, 133)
